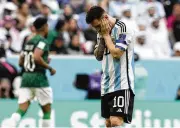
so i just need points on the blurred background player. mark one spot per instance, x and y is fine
(34, 60)
(8, 72)
(115, 49)
(16, 17)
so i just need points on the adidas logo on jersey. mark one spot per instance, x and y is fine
(119, 110)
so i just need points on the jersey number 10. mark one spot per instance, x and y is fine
(29, 63)
(118, 101)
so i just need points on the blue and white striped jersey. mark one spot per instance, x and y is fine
(118, 74)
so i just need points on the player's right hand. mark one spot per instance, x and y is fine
(105, 27)
(53, 72)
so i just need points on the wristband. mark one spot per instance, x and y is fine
(50, 68)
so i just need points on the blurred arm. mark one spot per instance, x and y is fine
(39, 60)
(115, 52)
(21, 60)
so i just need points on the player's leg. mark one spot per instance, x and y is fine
(16, 117)
(105, 110)
(108, 123)
(118, 104)
(25, 95)
(45, 98)
(116, 121)
(46, 116)
(121, 107)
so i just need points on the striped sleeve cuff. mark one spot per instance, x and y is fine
(121, 46)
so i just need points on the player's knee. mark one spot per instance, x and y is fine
(24, 106)
(116, 121)
(47, 115)
(46, 108)
(108, 123)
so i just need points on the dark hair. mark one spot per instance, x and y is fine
(60, 23)
(40, 22)
(95, 12)
(59, 37)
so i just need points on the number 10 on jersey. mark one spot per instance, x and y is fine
(29, 64)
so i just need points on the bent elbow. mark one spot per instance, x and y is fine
(98, 55)
(98, 58)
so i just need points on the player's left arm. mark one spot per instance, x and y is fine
(121, 42)
(38, 53)
(115, 51)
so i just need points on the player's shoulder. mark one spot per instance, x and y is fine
(38, 40)
(123, 28)
(41, 39)
(44, 40)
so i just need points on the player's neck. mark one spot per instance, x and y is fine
(41, 34)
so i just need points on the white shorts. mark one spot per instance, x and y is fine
(43, 95)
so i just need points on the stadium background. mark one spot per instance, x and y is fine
(76, 84)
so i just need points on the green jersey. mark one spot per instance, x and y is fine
(34, 75)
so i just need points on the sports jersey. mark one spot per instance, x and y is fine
(118, 74)
(34, 74)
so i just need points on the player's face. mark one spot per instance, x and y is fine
(96, 24)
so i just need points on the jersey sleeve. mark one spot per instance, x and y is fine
(42, 45)
(123, 39)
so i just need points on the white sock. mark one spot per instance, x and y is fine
(16, 117)
(14, 120)
(46, 123)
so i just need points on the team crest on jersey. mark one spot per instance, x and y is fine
(121, 38)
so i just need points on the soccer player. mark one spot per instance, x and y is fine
(34, 61)
(115, 48)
